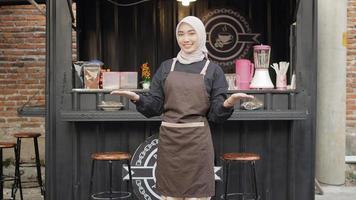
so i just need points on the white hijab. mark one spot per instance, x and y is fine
(201, 52)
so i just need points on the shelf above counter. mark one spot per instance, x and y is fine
(122, 115)
(250, 91)
(278, 105)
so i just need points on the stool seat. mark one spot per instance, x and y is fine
(241, 156)
(7, 144)
(111, 156)
(27, 135)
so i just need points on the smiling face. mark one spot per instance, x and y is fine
(187, 38)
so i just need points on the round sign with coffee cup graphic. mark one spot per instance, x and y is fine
(229, 36)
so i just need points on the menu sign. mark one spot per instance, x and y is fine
(229, 36)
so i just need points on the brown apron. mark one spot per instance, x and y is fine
(185, 157)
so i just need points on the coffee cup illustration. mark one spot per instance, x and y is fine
(225, 38)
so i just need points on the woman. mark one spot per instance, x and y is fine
(188, 90)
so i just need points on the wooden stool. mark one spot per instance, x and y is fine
(244, 158)
(110, 157)
(37, 164)
(16, 177)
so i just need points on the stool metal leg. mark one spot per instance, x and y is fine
(18, 144)
(38, 165)
(130, 179)
(17, 171)
(1, 176)
(227, 166)
(254, 179)
(91, 179)
(110, 178)
(15, 184)
(17, 165)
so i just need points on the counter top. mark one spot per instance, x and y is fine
(250, 91)
(279, 105)
(123, 115)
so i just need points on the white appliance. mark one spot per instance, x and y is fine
(261, 78)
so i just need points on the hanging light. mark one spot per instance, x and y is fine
(186, 2)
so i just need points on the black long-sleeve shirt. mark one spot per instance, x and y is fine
(151, 103)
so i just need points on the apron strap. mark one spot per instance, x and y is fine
(173, 64)
(203, 71)
(183, 125)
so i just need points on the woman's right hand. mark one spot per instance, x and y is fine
(234, 98)
(130, 95)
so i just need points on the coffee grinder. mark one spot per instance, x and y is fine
(261, 78)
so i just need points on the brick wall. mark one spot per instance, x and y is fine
(351, 91)
(351, 68)
(22, 67)
(22, 71)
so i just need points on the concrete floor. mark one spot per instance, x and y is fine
(330, 193)
(28, 193)
(337, 193)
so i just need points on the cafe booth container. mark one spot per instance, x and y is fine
(282, 132)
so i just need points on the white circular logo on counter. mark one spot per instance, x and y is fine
(143, 167)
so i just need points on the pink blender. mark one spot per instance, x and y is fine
(261, 79)
(244, 72)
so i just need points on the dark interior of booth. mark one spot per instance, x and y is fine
(124, 37)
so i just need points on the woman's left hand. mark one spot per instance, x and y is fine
(232, 100)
